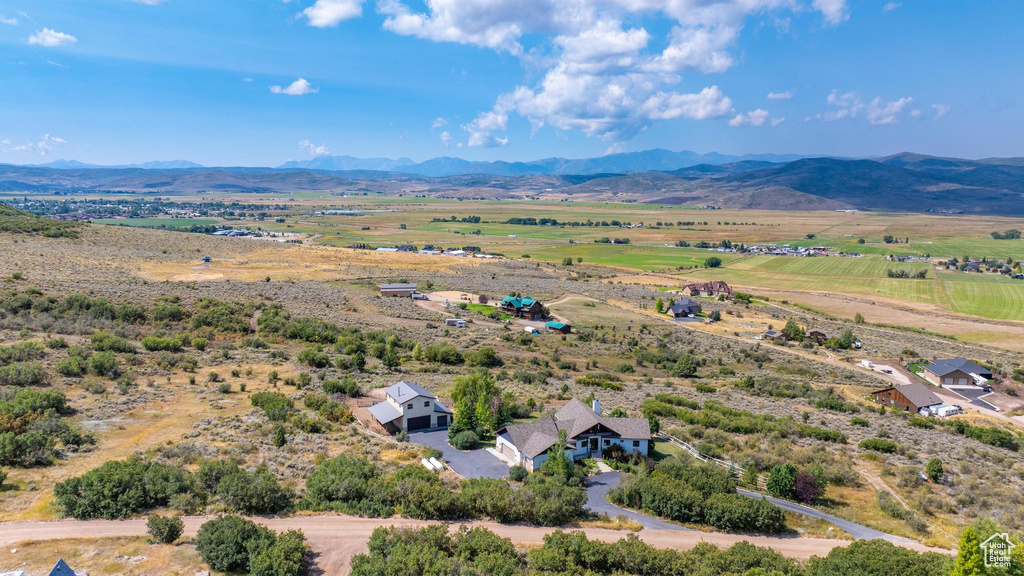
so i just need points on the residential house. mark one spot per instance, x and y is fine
(524, 307)
(683, 307)
(398, 290)
(560, 327)
(774, 336)
(410, 407)
(818, 335)
(912, 397)
(587, 432)
(956, 372)
(712, 289)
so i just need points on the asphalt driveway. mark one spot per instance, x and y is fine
(974, 396)
(597, 502)
(477, 463)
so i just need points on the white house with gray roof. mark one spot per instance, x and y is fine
(410, 407)
(587, 433)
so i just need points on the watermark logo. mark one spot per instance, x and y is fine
(997, 550)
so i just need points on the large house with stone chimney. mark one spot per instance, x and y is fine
(588, 433)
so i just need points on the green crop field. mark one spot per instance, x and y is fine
(986, 295)
(391, 220)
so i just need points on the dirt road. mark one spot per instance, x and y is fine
(336, 539)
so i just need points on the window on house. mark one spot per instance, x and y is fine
(409, 406)
(636, 443)
(426, 404)
(607, 442)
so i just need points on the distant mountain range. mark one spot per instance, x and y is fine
(157, 165)
(657, 159)
(902, 182)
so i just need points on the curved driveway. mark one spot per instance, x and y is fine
(597, 501)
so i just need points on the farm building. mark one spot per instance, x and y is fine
(712, 289)
(455, 322)
(524, 307)
(410, 407)
(683, 307)
(560, 327)
(401, 290)
(588, 433)
(956, 372)
(774, 336)
(912, 397)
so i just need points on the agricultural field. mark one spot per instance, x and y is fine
(196, 347)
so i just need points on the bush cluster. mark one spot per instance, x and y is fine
(354, 485)
(240, 546)
(432, 550)
(698, 493)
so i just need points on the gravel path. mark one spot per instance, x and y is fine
(335, 539)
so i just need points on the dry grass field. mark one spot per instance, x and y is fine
(167, 418)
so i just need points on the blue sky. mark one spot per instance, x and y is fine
(124, 81)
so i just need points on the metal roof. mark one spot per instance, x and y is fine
(943, 367)
(400, 286)
(405, 391)
(916, 393)
(385, 412)
(524, 302)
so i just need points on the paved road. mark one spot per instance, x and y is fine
(470, 464)
(858, 531)
(597, 501)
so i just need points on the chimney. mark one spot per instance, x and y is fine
(597, 406)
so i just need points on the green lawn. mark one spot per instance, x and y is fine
(486, 310)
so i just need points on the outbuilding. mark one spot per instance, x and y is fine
(560, 327)
(399, 290)
(913, 397)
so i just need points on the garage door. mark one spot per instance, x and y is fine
(507, 451)
(418, 423)
(442, 421)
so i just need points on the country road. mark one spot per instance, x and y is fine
(335, 539)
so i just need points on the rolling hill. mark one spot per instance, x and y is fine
(903, 182)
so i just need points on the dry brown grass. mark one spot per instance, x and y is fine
(105, 556)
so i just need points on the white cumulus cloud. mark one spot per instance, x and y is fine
(44, 146)
(328, 13)
(51, 38)
(12, 21)
(753, 118)
(601, 71)
(446, 138)
(890, 6)
(438, 122)
(835, 12)
(940, 110)
(313, 149)
(297, 88)
(788, 94)
(881, 112)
